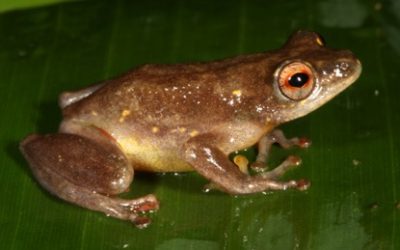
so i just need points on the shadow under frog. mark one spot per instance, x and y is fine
(186, 117)
(48, 112)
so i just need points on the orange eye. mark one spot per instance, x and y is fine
(296, 80)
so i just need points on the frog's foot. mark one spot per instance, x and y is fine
(134, 210)
(241, 162)
(86, 172)
(288, 164)
(264, 146)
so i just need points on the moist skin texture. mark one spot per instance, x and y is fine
(185, 117)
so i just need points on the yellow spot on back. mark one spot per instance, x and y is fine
(124, 114)
(237, 92)
(155, 129)
(94, 113)
(194, 133)
(182, 129)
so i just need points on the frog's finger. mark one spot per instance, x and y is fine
(242, 162)
(279, 137)
(290, 163)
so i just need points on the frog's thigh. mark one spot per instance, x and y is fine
(82, 171)
(99, 167)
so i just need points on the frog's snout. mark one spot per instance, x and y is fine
(354, 65)
(350, 59)
(346, 68)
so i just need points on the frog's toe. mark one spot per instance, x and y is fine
(136, 209)
(291, 162)
(304, 142)
(141, 221)
(259, 166)
(148, 203)
(211, 186)
(303, 184)
(242, 162)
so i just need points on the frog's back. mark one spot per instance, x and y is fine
(164, 95)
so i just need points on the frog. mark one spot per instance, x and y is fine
(185, 117)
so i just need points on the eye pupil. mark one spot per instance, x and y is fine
(298, 80)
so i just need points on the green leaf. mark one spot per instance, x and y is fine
(9, 5)
(353, 164)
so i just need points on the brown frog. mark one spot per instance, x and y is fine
(185, 117)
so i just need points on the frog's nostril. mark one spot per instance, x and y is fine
(348, 67)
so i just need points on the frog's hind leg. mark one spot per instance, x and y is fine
(264, 146)
(85, 172)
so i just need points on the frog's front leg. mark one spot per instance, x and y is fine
(277, 136)
(86, 172)
(214, 165)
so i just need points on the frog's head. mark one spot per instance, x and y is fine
(310, 74)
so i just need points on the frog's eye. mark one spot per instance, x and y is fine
(296, 80)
